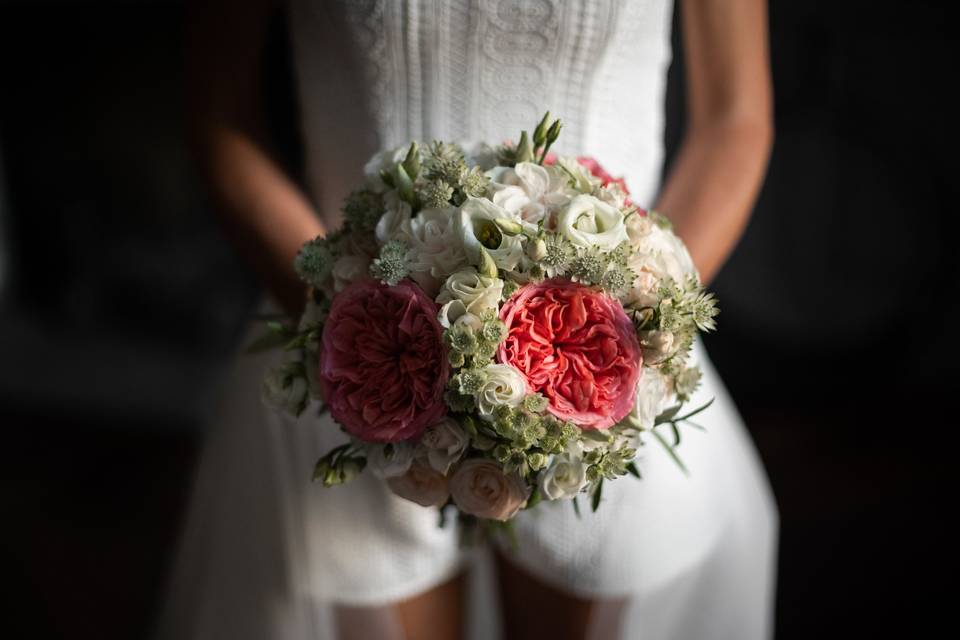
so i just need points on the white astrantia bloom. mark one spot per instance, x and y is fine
(383, 161)
(390, 460)
(654, 396)
(396, 212)
(478, 229)
(436, 249)
(503, 385)
(444, 443)
(590, 222)
(477, 292)
(564, 478)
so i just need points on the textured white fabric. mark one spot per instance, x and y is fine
(264, 549)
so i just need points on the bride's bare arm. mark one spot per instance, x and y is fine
(263, 211)
(711, 189)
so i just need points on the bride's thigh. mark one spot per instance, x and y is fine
(437, 614)
(534, 609)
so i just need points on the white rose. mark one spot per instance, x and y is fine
(657, 346)
(396, 213)
(588, 221)
(284, 388)
(662, 253)
(382, 161)
(348, 269)
(504, 385)
(477, 292)
(444, 442)
(481, 488)
(396, 464)
(421, 484)
(478, 229)
(564, 478)
(653, 397)
(436, 250)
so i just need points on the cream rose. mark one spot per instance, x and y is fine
(421, 484)
(588, 221)
(396, 213)
(564, 478)
(444, 443)
(436, 250)
(395, 464)
(478, 229)
(503, 385)
(477, 292)
(481, 488)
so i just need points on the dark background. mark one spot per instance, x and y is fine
(120, 303)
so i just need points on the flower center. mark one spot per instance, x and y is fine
(487, 233)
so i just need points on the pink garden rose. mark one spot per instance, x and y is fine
(481, 488)
(383, 366)
(577, 347)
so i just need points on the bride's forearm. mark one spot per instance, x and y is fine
(263, 212)
(711, 189)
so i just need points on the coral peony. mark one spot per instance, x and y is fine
(577, 347)
(383, 366)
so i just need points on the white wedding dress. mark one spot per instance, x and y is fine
(265, 552)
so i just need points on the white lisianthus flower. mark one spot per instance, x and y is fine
(396, 213)
(529, 190)
(580, 177)
(436, 249)
(478, 229)
(285, 388)
(653, 397)
(383, 161)
(396, 463)
(590, 222)
(455, 313)
(504, 385)
(564, 478)
(444, 443)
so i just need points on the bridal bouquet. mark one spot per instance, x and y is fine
(493, 327)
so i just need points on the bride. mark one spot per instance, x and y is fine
(267, 555)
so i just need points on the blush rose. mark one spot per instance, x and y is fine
(577, 347)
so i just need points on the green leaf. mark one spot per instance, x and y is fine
(576, 507)
(534, 498)
(595, 500)
(676, 434)
(267, 341)
(673, 454)
(667, 415)
(632, 469)
(696, 411)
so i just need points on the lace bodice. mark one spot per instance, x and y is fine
(377, 73)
